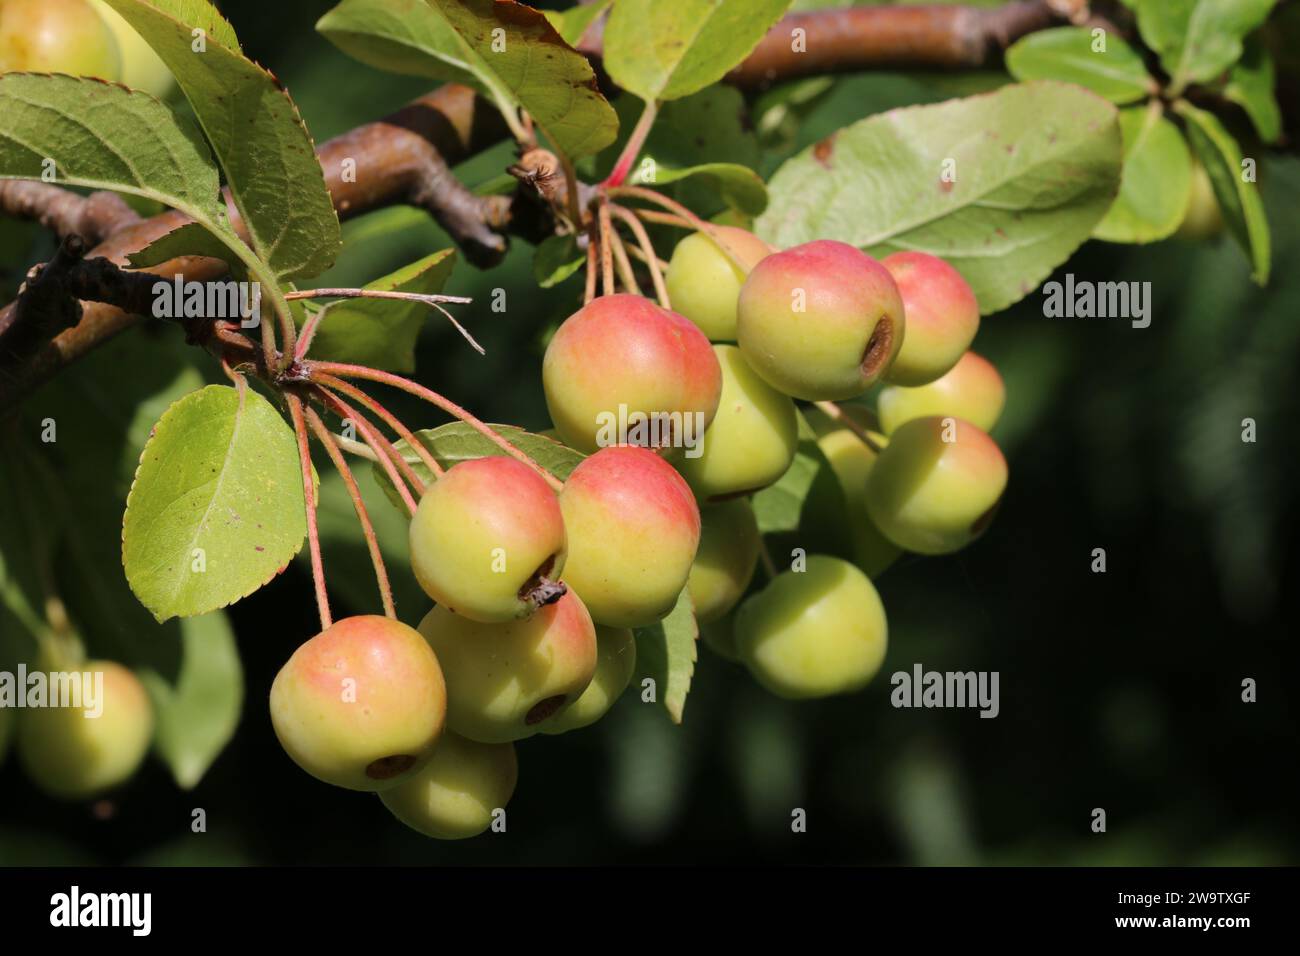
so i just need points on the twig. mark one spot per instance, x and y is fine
(400, 159)
(404, 157)
(358, 448)
(647, 252)
(94, 217)
(376, 294)
(363, 516)
(433, 301)
(309, 495)
(343, 370)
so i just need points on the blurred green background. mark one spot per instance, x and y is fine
(1119, 691)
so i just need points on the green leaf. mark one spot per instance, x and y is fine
(572, 24)
(557, 258)
(196, 713)
(779, 507)
(664, 51)
(191, 239)
(190, 667)
(103, 136)
(739, 186)
(665, 652)
(381, 333)
(1070, 54)
(1251, 86)
(457, 441)
(1243, 210)
(503, 48)
(519, 55)
(711, 126)
(400, 36)
(1036, 166)
(1153, 194)
(220, 475)
(1198, 39)
(255, 130)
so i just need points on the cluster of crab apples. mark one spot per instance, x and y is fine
(537, 592)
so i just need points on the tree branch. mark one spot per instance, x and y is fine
(406, 157)
(388, 162)
(850, 39)
(93, 218)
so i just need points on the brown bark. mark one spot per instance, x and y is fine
(405, 157)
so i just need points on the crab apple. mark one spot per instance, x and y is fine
(851, 459)
(633, 528)
(728, 552)
(56, 36)
(822, 320)
(622, 358)
(815, 632)
(615, 662)
(487, 540)
(1203, 219)
(935, 486)
(972, 390)
(704, 281)
(80, 751)
(142, 68)
(942, 316)
(752, 439)
(453, 796)
(506, 681)
(361, 704)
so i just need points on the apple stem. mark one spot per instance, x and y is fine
(309, 495)
(665, 219)
(836, 413)
(606, 251)
(433, 301)
(347, 388)
(344, 370)
(625, 272)
(647, 251)
(713, 232)
(360, 449)
(363, 516)
(388, 455)
(632, 148)
(593, 247)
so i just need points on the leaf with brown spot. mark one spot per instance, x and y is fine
(880, 193)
